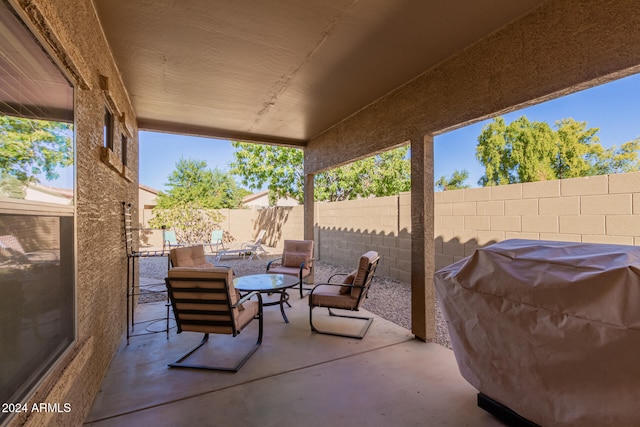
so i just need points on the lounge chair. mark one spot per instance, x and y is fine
(253, 248)
(256, 246)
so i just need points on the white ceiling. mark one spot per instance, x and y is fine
(282, 71)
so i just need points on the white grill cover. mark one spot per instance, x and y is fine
(549, 329)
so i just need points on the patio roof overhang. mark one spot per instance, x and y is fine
(285, 71)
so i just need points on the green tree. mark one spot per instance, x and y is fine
(454, 182)
(525, 151)
(30, 147)
(621, 159)
(193, 183)
(281, 170)
(12, 187)
(192, 224)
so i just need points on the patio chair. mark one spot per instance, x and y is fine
(169, 240)
(216, 240)
(296, 260)
(204, 300)
(349, 295)
(255, 246)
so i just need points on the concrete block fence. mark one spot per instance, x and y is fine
(599, 209)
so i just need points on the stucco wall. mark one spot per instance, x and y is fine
(598, 209)
(70, 31)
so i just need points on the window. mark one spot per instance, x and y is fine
(37, 283)
(124, 149)
(108, 129)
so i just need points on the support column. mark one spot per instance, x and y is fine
(423, 322)
(309, 205)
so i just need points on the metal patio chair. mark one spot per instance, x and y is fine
(349, 295)
(205, 301)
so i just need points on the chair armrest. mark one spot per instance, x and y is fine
(272, 261)
(247, 297)
(310, 260)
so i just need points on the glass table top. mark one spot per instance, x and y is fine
(264, 282)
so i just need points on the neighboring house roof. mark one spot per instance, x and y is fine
(261, 199)
(44, 193)
(255, 196)
(149, 189)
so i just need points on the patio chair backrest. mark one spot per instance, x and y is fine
(216, 237)
(364, 275)
(169, 236)
(189, 256)
(260, 237)
(203, 300)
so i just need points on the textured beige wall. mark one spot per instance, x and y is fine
(72, 35)
(598, 209)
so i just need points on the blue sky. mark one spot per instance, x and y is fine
(614, 108)
(159, 153)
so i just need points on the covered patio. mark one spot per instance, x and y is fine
(342, 80)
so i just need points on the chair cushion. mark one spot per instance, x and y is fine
(329, 296)
(295, 252)
(291, 271)
(294, 259)
(246, 314)
(190, 256)
(348, 281)
(361, 273)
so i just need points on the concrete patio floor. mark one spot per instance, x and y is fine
(296, 378)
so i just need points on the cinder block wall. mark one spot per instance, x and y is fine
(346, 230)
(598, 209)
(343, 230)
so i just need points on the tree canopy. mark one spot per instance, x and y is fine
(193, 183)
(281, 170)
(454, 182)
(30, 147)
(525, 151)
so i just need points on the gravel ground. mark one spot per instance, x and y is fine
(388, 298)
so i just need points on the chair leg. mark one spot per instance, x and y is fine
(179, 362)
(359, 336)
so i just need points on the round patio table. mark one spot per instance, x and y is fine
(268, 284)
